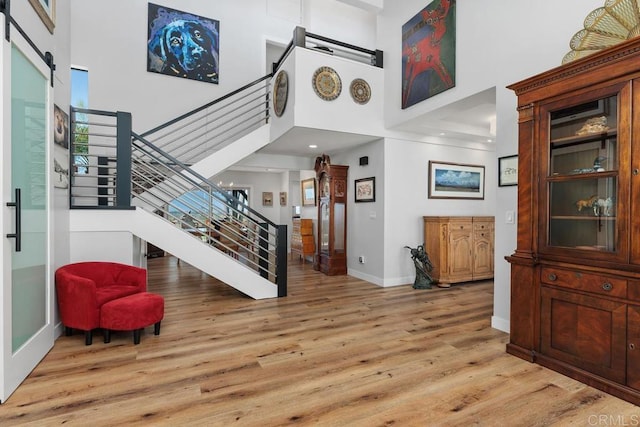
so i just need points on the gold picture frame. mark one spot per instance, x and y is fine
(46, 10)
(308, 187)
(267, 198)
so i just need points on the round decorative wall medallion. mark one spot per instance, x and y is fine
(327, 83)
(360, 91)
(280, 92)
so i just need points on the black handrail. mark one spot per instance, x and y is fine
(342, 44)
(276, 65)
(263, 223)
(208, 182)
(205, 106)
(376, 55)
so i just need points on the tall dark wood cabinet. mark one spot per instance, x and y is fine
(331, 255)
(575, 273)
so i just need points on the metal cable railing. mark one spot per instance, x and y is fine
(93, 167)
(209, 128)
(201, 208)
(162, 184)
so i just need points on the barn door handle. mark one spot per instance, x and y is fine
(18, 234)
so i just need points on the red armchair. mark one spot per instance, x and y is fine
(82, 288)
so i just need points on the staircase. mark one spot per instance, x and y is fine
(185, 246)
(208, 228)
(154, 184)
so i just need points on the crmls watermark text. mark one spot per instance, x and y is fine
(613, 420)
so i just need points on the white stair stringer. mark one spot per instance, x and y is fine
(154, 229)
(212, 164)
(231, 154)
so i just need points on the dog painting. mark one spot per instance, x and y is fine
(60, 127)
(183, 45)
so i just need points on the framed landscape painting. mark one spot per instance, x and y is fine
(455, 181)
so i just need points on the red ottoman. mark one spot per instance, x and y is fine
(132, 313)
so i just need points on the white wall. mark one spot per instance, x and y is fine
(366, 234)
(339, 21)
(110, 39)
(497, 43)
(406, 198)
(62, 97)
(341, 114)
(258, 182)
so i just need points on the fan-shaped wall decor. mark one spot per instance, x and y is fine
(617, 21)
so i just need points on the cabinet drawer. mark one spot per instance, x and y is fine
(482, 235)
(588, 282)
(460, 226)
(482, 226)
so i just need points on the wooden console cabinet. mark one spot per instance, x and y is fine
(575, 273)
(459, 247)
(302, 242)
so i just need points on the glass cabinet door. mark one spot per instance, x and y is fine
(583, 176)
(325, 220)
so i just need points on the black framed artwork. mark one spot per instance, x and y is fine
(365, 190)
(507, 171)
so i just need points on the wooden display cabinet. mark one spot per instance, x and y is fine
(575, 273)
(331, 254)
(460, 247)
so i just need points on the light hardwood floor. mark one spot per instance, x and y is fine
(336, 352)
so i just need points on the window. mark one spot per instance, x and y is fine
(80, 131)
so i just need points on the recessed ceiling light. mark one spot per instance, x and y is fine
(442, 134)
(313, 146)
(489, 140)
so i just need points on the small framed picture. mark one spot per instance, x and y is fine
(46, 10)
(308, 192)
(267, 198)
(365, 190)
(507, 171)
(283, 198)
